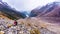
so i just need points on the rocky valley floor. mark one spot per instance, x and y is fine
(28, 26)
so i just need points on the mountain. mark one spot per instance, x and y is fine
(26, 13)
(50, 10)
(9, 12)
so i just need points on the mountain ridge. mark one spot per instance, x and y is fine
(47, 11)
(10, 12)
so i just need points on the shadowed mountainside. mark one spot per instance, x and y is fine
(11, 13)
(50, 10)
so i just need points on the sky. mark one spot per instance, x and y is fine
(27, 5)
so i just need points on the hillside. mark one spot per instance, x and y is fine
(11, 13)
(50, 10)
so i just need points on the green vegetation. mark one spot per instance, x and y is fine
(11, 17)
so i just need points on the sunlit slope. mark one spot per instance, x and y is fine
(3, 16)
(41, 22)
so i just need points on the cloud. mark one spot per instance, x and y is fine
(27, 5)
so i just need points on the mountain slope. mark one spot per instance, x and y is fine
(10, 12)
(50, 10)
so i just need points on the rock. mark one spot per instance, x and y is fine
(2, 27)
(2, 32)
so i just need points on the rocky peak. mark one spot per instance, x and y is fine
(50, 10)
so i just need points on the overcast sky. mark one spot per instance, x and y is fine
(27, 5)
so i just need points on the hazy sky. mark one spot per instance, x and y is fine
(27, 5)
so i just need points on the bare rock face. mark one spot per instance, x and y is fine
(50, 10)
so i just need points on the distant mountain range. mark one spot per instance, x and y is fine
(50, 10)
(11, 13)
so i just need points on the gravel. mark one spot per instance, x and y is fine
(20, 28)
